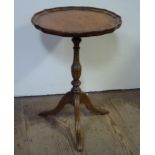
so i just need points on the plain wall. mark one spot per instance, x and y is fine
(42, 61)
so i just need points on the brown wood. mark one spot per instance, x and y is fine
(85, 99)
(75, 96)
(76, 21)
(114, 134)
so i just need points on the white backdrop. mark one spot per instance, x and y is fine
(42, 61)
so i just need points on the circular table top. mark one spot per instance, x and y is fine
(76, 21)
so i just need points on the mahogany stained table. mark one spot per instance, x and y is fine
(76, 22)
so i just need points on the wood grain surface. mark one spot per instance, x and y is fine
(114, 134)
(76, 21)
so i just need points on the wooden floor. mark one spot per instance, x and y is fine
(114, 134)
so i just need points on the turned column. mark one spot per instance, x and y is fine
(76, 91)
(76, 66)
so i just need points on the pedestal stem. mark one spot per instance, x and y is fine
(76, 91)
(76, 66)
(75, 97)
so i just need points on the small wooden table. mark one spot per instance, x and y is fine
(76, 22)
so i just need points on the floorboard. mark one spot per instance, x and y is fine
(114, 134)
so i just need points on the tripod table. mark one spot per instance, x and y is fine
(76, 22)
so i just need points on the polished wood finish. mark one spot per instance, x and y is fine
(85, 99)
(76, 67)
(117, 133)
(76, 96)
(76, 21)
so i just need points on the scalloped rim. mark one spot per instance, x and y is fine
(83, 34)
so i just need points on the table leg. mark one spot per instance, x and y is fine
(86, 101)
(66, 99)
(76, 102)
